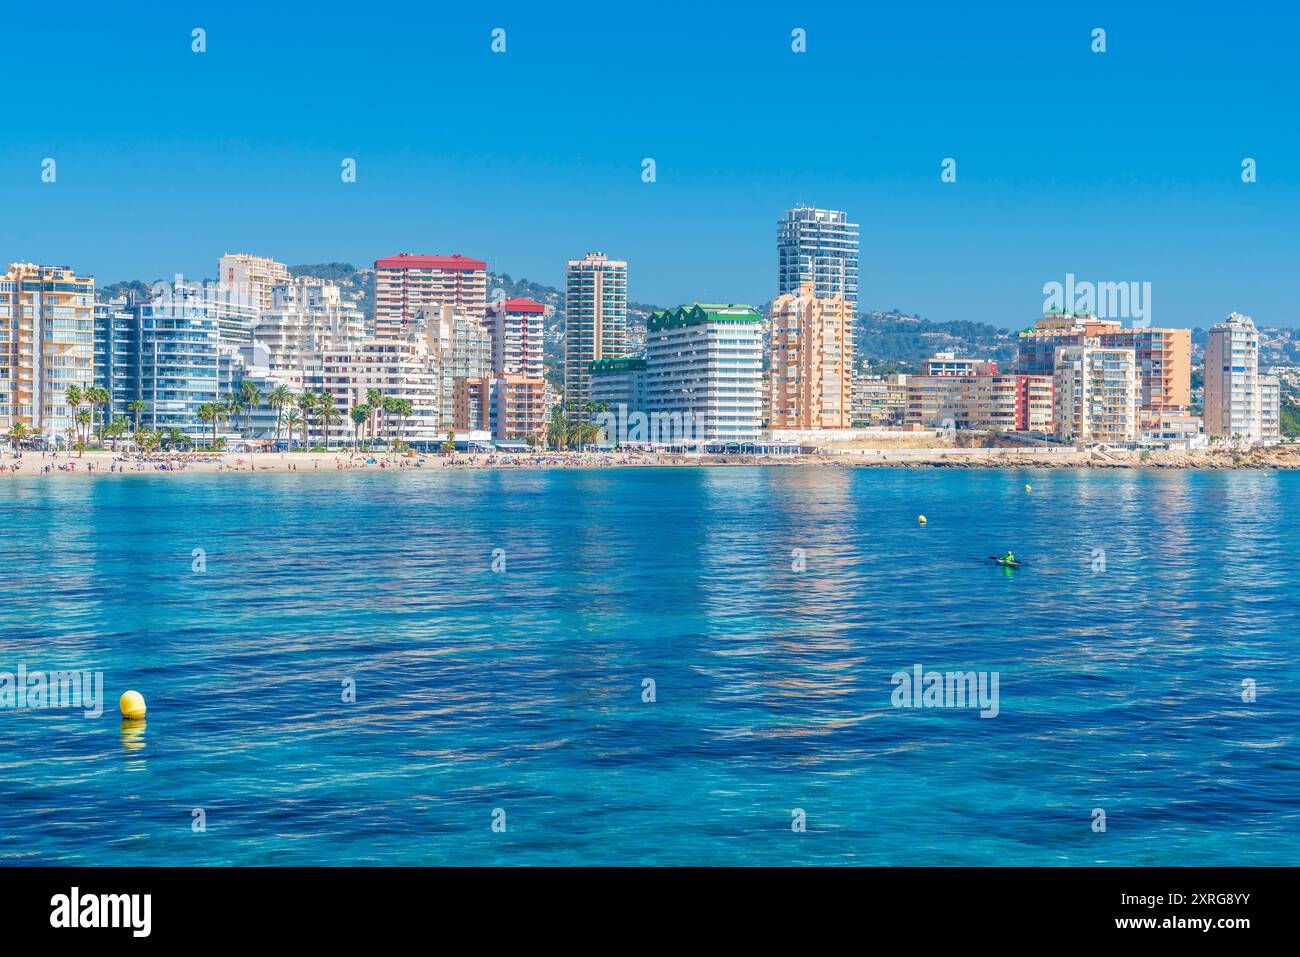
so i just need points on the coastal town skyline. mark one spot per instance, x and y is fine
(429, 347)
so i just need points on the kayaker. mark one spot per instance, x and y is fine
(1008, 559)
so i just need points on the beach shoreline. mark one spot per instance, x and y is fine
(95, 464)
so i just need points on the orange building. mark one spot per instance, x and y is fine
(811, 362)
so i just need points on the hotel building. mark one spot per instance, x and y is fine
(818, 246)
(252, 279)
(1240, 404)
(408, 287)
(47, 343)
(811, 361)
(595, 306)
(706, 362)
(1096, 390)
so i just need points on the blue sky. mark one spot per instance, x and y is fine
(1122, 166)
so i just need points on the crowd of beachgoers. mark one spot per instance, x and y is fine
(20, 463)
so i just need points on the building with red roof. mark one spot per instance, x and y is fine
(406, 285)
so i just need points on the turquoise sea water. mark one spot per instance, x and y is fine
(521, 690)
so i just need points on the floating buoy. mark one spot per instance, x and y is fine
(1029, 488)
(132, 704)
(920, 519)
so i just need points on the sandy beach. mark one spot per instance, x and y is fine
(101, 463)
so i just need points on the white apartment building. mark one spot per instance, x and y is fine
(818, 246)
(517, 329)
(400, 367)
(1240, 405)
(1270, 410)
(1096, 392)
(308, 317)
(705, 362)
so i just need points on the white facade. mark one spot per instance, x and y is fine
(706, 362)
(818, 246)
(251, 278)
(1095, 394)
(308, 317)
(1240, 405)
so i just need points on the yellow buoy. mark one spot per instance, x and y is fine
(132, 704)
(920, 519)
(1029, 488)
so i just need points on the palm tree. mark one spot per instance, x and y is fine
(391, 408)
(557, 430)
(213, 413)
(251, 397)
(137, 406)
(83, 419)
(176, 438)
(292, 421)
(18, 434)
(115, 430)
(98, 397)
(307, 404)
(404, 409)
(326, 412)
(360, 414)
(278, 398)
(233, 404)
(74, 397)
(374, 399)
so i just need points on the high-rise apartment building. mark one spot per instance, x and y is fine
(1240, 404)
(595, 305)
(409, 288)
(47, 343)
(1095, 394)
(818, 246)
(517, 337)
(251, 278)
(705, 362)
(810, 361)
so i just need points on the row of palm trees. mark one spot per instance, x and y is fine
(298, 413)
(566, 430)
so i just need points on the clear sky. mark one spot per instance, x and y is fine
(1119, 166)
